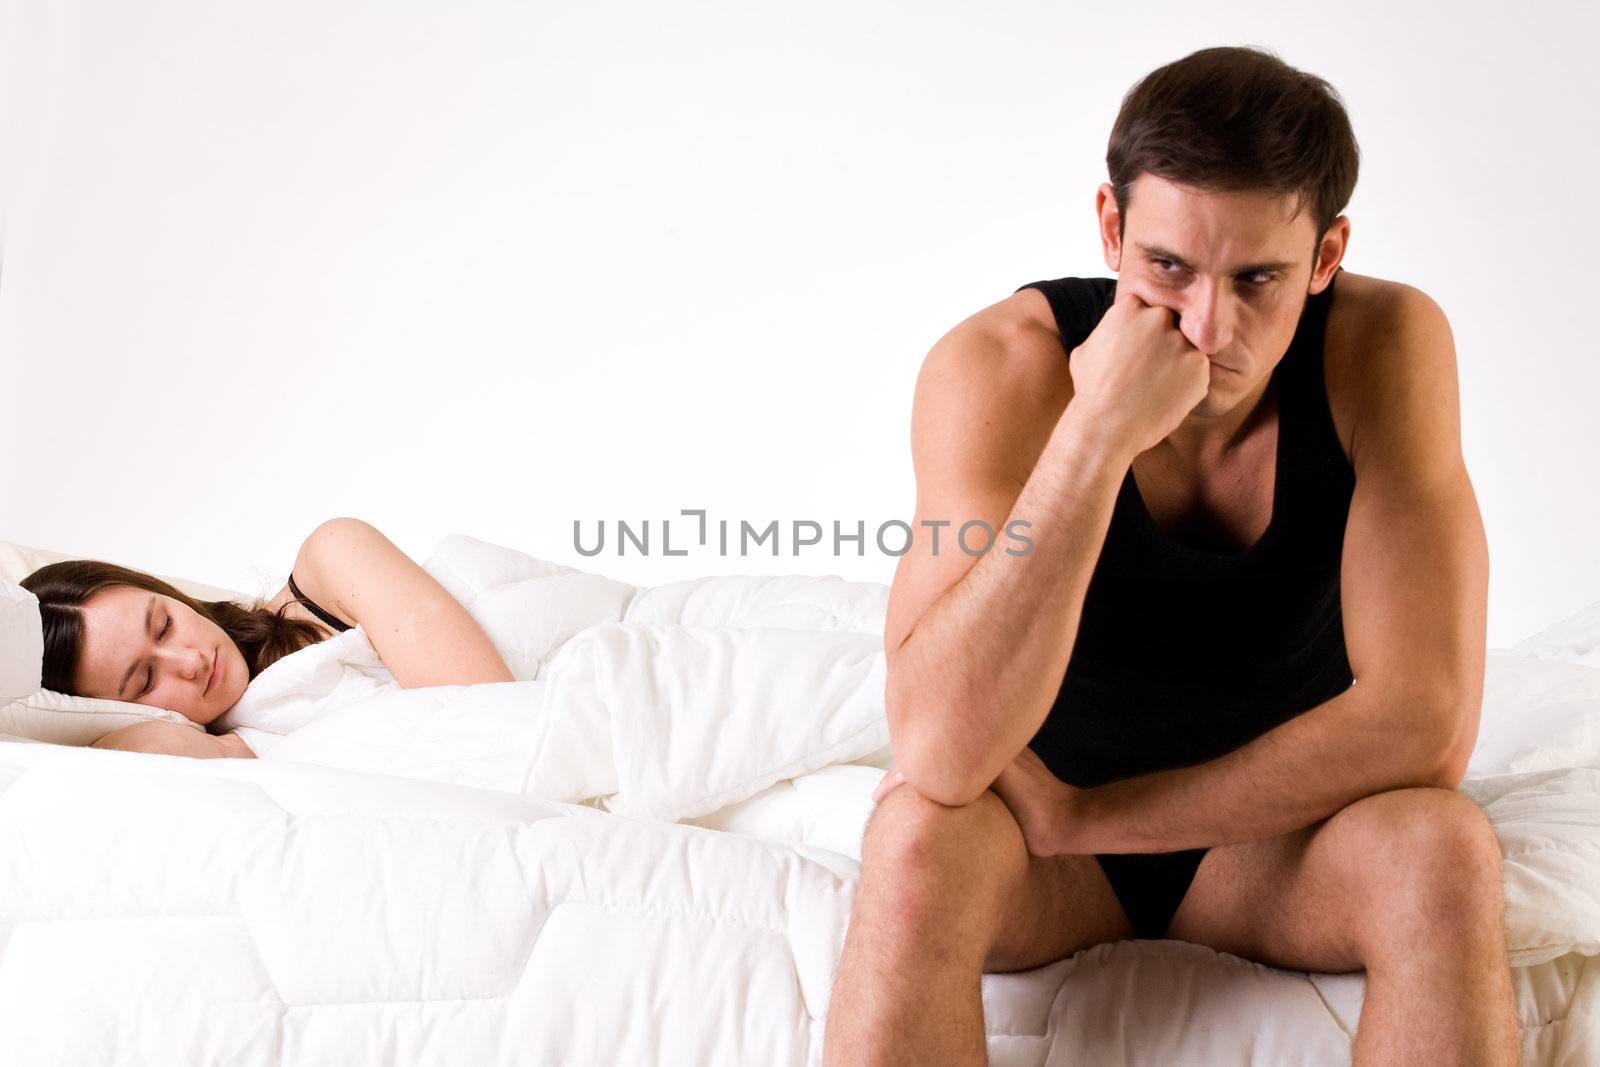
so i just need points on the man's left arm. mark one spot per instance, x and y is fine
(1413, 590)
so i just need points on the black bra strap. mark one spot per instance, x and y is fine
(332, 620)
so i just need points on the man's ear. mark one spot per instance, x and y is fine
(1330, 251)
(1110, 224)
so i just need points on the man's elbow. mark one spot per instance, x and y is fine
(1453, 744)
(936, 760)
(941, 768)
(938, 780)
(1450, 768)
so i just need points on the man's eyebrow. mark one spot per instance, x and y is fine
(149, 609)
(1156, 251)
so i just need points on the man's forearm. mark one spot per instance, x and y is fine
(1357, 744)
(979, 669)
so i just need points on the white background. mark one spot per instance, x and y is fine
(493, 267)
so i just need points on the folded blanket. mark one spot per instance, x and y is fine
(679, 721)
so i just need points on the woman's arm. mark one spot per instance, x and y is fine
(422, 633)
(175, 739)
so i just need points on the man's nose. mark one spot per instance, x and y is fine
(1207, 319)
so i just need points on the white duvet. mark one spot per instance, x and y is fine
(160, 910)
(664, 703)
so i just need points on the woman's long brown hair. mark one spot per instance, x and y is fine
(264, 636)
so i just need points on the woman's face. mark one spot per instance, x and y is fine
(146, 648)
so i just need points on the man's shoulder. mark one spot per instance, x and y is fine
(1010, 348)
(1365, 314)
(1372, 327)
(1362, 297)
(996, 382)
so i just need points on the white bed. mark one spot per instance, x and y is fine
(620, 858)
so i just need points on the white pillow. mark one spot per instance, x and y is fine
(45, 715)
(21, 642)
(1539, 714)
(35, 714)
(1575, 639)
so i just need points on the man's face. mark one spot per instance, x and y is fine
(1234, 266)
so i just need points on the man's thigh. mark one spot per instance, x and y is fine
(1055, 906)
(1063, 906)
(1303, 900)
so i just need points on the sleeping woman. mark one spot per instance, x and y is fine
(120, 634)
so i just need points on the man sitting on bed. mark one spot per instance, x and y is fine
(1227, 693)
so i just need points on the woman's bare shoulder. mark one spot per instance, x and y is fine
(312, 573)
(329, 557)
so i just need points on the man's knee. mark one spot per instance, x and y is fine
(913, 840)
(1427, 853)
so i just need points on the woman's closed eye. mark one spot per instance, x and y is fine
(150, 673)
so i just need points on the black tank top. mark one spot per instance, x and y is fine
(316, 609)
(1183, 654)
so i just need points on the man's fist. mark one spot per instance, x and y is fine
(1040, 802)
(1136, 374)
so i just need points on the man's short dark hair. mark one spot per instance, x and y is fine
(1234, 119)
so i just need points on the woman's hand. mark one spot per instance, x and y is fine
(232, 745)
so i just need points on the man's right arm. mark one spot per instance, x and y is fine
(977, 646)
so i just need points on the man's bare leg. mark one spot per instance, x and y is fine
(1406, 884)
(946, 895)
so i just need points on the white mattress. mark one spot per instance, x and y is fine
(162, 911)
